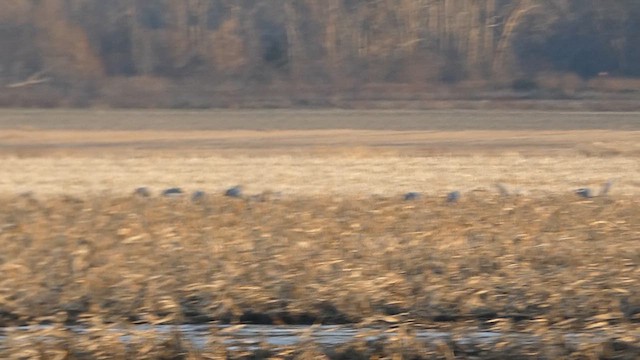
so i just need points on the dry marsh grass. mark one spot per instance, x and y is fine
(546, 266)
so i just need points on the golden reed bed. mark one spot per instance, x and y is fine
(535, 265)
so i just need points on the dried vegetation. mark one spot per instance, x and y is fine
(552, 267)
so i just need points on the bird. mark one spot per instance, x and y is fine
(142, 192)
(453, 196)
(604, 190)
(412, 196)
(27, 194)
(198, 195)
(172, 192)
(502, 189)
(235, 191)
(584, 192)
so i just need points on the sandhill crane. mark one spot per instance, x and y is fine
(172, 192)
(412, 196)
(453, 196)
(584, 192)
(198, 195)
(142, 192)
(235, 191)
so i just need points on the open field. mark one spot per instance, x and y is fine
(316, 175)
(270, 120)
(328, 240)
(317, 152)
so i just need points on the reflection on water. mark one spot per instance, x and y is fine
(253, 336)
(250, 336)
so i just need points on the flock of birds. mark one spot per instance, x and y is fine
(452, 197)
(197, 195)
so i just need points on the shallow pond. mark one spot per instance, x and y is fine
(252, 336)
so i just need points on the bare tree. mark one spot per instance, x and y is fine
(503, 48)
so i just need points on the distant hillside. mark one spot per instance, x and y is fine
(209, 52)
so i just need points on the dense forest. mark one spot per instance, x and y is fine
(187, 52)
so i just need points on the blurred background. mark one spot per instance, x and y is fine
(230, 53)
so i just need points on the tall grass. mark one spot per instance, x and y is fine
(544, 265)
(333, 259)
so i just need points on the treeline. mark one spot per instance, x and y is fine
(92, 49)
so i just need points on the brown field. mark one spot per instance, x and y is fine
(329, 238)
(316, 152)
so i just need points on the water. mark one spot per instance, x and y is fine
(252, 336)
(286, 335)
